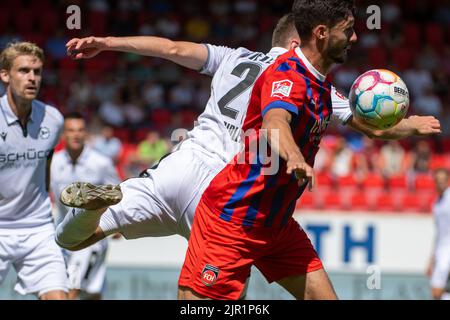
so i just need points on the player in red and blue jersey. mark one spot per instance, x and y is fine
(245, 215)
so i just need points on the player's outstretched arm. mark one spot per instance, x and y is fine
(414, 125)
(187, 54)
(277, 123)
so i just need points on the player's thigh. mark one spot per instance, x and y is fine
(41, 268)
(7, 249)
(314, 285)
(142, 212)
(292, 256)
(54, 295)
(218, 261)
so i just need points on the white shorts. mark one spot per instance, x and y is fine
(37, 259)
(163, 203)
(87, 268)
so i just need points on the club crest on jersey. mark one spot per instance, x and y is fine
(209, 275)
(281, 88)
(44, 133)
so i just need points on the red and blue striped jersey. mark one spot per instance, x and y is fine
(243, 192)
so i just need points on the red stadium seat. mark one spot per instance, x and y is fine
(333, 200)
(385, 202)
(403, 58)
(48, 22)
(434, 34)
(307, 200)
(161, 118)
(424, 182)
(412, 34)
(410, 202)
(4, 20)
(24, 22)
(397, 182)
(324, 180)
(359, 201)
(373, 181)
(377, 57)
(123, 134)
(97, 23)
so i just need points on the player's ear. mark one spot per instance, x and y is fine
(4, 76)
(321, 32)
(295, 42)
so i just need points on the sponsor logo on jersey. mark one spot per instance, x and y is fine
(281, 88)
(44, 133)
(3, 136)
(209, 275)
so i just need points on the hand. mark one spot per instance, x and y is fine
(437, 293)
(303, 172)
(85, 48)
(425, 125)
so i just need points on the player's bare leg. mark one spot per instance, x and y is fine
(311, 286)
(54, 295)
(80, 227)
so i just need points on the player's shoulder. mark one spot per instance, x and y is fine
(51, 113)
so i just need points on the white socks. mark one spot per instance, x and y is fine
(77, 226)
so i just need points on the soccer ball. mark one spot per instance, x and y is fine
(379, 98)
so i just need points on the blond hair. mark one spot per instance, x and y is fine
(15, 49)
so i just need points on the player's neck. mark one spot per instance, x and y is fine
(21, 108)
(316, 58)
(74, 154)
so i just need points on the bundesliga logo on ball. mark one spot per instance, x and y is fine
(380, 98)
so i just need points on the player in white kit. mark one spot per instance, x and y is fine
(29, 131)
(440, 263)
(164, 202)
(79, 162)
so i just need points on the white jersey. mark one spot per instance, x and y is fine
(91, 166)
(235, 71)
(24, 201)
(441, 212)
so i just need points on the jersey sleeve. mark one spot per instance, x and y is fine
(341, 107)
(282, 90)
(216, 54)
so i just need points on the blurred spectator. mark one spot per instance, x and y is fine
(99, 5)
(153, 94)
(392, 159)
(197, 28)
(366, 161)
(341, 158)
(345, 76)
(219, 7)
(168, 26)
(428, 104)
(112, 112)
(181, 95)
(420, 157)
(152, 149)
(80, 94)
(417, 80)
(107, 144)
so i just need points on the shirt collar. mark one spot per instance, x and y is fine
(81, 159)
(10, 115)
(277, 51)
(309, 66)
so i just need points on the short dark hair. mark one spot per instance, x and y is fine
(310, 13)
(74, 115)
(283, 31)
